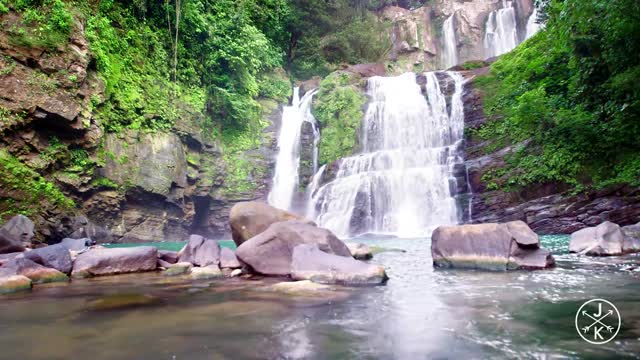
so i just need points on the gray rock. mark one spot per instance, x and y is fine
(37, 273)
(360, 251)
(631, 242)
(603, 240)
(490, 246)
(14, 283)
(84, 228)
(4, 258)
(200, 251)
(17, 232)
(310, 263)
(228, 259)
(115, 261)
(169, 256)
(248, 219)
(76, 244)
(269, 253)
(180, 268)
(54, 256)
(206, 272)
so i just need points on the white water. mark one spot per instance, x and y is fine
(450, 53)
(532, 26)
(501, 34)
(311, 190)
(400, 184)
(285, 179)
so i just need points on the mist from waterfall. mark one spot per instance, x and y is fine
(450, 53)
(501, 34)
(402, 181)
(285, 179)
(532, 26)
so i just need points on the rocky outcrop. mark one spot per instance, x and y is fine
(605, 239)
(200, 251)
(491, 246)
(16, 234)
(308, 262)
(270, 252)
(547, 208)
(115, 261)
(248, 219)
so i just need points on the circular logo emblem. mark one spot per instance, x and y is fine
(598, 321)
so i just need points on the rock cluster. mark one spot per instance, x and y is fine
(606, 239)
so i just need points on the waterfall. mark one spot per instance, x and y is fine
(285, 179)
(532, 26)
(501, 33)
(450, 53)
(311, 190)
(401, 183)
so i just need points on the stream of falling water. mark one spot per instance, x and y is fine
(501, 33)
(401, 183)
(450, 53)
(285, 179)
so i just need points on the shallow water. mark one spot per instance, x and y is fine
(421, 313)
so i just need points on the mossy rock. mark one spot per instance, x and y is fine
(14, 283)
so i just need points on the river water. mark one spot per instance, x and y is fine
(421, 313)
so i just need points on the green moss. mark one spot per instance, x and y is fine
(103, 182)
(24, 191)
(338, 107)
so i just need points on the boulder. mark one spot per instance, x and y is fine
(206, 272)
(491, 246)
(76, 244)
(180, 268)
(115, 261)
(36, 272)
(200, 251)
(631, 235)
(84, 228)
(4, 258)
(248, 219)
(169, 256)
(54, 256)
(368, 70)
(605, 239)
(14, 283)
(228, 259)
(360, 251)
(310, 263)
(15, 234)
(269, 253)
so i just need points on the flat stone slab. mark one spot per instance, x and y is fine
(115, 261)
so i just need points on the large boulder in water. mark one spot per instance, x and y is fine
(200, 251)
(506, 246)
(228, 259)
(103, 261)
(631, 235)
(248, 219)
(37, 273)
(54, 256)
(310, 263)
(15, 234)
(606, 239)
(14, 283)
(269, 253)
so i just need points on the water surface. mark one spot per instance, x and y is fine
(421, 313)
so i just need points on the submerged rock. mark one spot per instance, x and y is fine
(228, 259)
(310, 263)
(180, 268)
(507, 246)
(207, 272)
(55, 256)
(299, 287)
(248, 219)
(269, 253)
(115, 261)
(606, 239)
(14, 283)
(360, 251)
(123, 301)
(200, 251)
(15, 234)
(36, 272)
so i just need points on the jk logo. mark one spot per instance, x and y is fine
(598, 321)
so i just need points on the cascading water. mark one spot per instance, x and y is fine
(532, 25)
(501, 34)
(450, 53)
(285, 179)
(401, 183)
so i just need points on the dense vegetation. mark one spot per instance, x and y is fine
(572, 92)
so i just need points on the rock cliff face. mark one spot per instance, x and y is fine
(143, 186)
(417, 35)
(546, 208)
